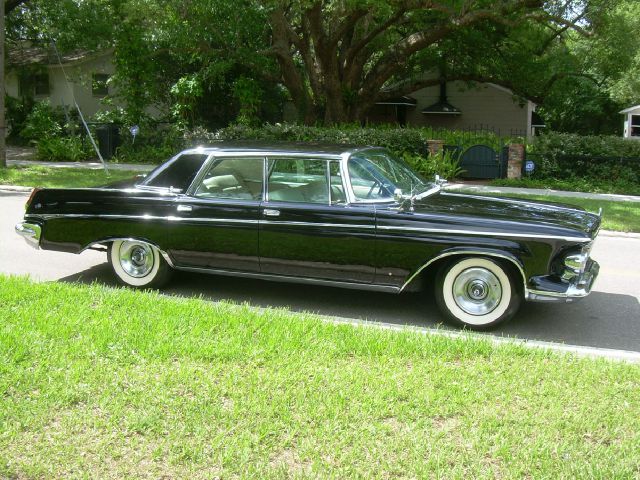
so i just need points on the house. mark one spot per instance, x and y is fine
(631, 122)
(80, 76)
(456, 105)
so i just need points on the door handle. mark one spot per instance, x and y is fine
(271, 212)
(185, 208)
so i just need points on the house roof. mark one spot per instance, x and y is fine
(21, 56)
(630, 109)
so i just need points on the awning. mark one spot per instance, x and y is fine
(405, 100)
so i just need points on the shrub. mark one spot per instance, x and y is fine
(64, 149)
(596, 158)
(43, 121)
(444, 164)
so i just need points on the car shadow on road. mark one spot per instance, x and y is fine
(601, 320)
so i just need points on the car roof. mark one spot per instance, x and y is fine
(280, 148)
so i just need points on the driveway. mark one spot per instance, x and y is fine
(608, 318)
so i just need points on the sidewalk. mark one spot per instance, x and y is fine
(138, 167)
(467, 188)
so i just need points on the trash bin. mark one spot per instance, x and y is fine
(108, 139)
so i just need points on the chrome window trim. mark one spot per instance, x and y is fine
(309, 157)
(205, 169)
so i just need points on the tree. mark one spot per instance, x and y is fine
(5, 7)
(337, 57)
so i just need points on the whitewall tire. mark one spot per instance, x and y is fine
(477, 293)
(138, 264)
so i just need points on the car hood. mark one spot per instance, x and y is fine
(506, 213)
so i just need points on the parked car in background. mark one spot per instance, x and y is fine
(353, 217)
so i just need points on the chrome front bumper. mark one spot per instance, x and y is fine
(30, 232)
(574, 291)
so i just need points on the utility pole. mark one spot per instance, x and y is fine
(3, 127)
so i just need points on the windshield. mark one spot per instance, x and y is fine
(376, 174)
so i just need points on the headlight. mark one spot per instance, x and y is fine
(575, 263)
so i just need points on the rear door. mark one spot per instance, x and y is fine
(215, 225)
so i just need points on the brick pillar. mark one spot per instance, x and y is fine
(515, 160)
(435, 146)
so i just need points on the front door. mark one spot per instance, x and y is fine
(215, 225)
(307, 229)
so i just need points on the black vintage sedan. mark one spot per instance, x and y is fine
(353, 217)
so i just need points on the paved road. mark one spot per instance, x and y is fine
(608, 318)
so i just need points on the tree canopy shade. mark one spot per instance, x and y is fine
(338, 57)
(212, 62)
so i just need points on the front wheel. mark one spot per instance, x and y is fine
(138, 264)
(477, 293)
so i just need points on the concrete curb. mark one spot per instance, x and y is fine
(15, 189)
(577, 350)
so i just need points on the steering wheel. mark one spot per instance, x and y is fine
(376, 183)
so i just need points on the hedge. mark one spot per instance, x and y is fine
(399, 140)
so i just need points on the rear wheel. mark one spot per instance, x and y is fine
(138, 264)
(477, 293)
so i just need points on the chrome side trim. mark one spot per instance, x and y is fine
(164, 254)
(30, 232)
(299, 280)
(485, 233)
(313, 224)
(206, 220)
(170, 218)
(483, 253)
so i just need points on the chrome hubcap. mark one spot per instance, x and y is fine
(477, 291)
(136, 259)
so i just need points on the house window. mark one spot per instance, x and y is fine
(100, 86)
(42, 84)
(34, 85)
(635, 125)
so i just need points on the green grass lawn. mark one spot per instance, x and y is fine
(616, 215)
(60, 177)
(573, 185)
(109, 383)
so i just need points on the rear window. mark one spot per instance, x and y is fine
(178, 173)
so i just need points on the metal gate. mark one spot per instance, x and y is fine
(481, 161)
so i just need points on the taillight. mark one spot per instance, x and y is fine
(33, 194)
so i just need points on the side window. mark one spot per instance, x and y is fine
(177, 174)
(239, 178)
(298, 180)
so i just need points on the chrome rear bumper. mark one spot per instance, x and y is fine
(574, 291)
(31, 232)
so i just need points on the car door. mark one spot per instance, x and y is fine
(307, 229)
(215, 225)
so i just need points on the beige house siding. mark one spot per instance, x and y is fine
(485, 106)
(81, 82)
